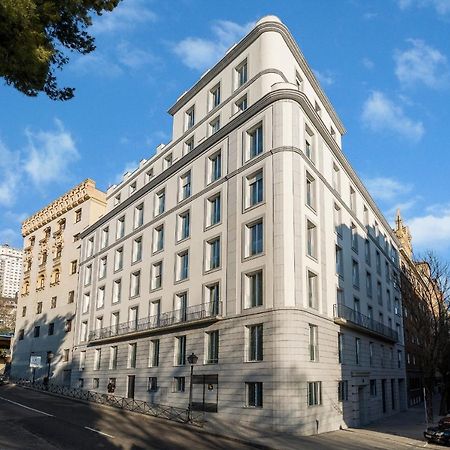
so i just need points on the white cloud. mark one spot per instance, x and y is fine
(368, 63)
(431, 231)
(10, 236)
(198, 53)
(49, 154)
(96, 63)
(325, 78)
(10, 166)
(383, 188)
(125, 16)
(130, 166)
(382, 114)
(421, 64)
(442, 7)
(133, 57)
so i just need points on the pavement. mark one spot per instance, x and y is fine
(35, 420)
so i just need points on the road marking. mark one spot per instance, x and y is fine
(98, 431)
(27, 407)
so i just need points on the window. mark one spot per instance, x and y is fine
(24, 311)
(182, 265)
(378, 262)
(152, 384)
(76, 237)
(255, 189)
(37, 331)
(137, 250)
(149, 175)
(68, 325)
(190, 118)
(51, 329)
(117, 199)
(313, 343)
(168, 160)
(354, 237)
(254, 289)
(104, 238)
(254, 238)
(118, 259)
(241, 73)
(339, 261)
(185, 186)
(373, 388)
(115, 316)
(355, 274)
(156, 275)
(86, 301)
(312, 290)
(242, 103)
(181, 306)
(214, 210)
(311, 239)
(102, 268)
(215, 166)
(340, 348)
(21, 334)
(132, 188)
(298, 81)
(153, 357)
(100, 297)
(336, 178)
(399, 359)
(97, 358)
(189, 145)
(95, 383)
(88, 275)
(214, 125)
(90, 247)
(184, 226)
(82, 359)
(388, 300)
(213, 254)
(212, 297)
(113, 357)
(254, 391)
(379, 293)
(367, 251)
(138, 215)
(352, 199)
(369, 284)
(309, 144)
(396, 306)
(131, 363)
(180, 350)
(255, 141)
(387, 272)
(255, 342)
(366, 216)
(179, 384)
(78, 215)
(314, 393)
(73, 267)
(66, 354)
(120, 230)
(53, 302)
(212, 347)
(317, 109)
(337, 220)
(310, 191)
(371, 354)
(99, 323)
(343, 391)
(158, 238)
(155, 311)
(117, 290)
(135, 282)
(160, 202)
(357, 351)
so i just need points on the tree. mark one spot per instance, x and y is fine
(35, 37)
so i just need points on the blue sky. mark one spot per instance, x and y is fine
(385, 65)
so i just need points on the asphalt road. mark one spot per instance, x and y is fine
(34, 420)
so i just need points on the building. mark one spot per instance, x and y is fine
(8, 309)
(5, 352)
(10, 271)
(46, 304)
(249, 241)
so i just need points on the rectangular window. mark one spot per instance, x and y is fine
(343, 391)
(39, 308)
(82, 359)
(182, 265)
(212, 297)
(97, 358)
(37, 331)
(337, 220)
(153, 357)
(132, 188)
(118, 259)
(156, 275)
(255, 188)
(311, 239)
(366, 216)
(379, 293)
(167, 162)
(181, 301)
(179, 384)
(357, 351)
(117, 289)
(137, 250)
(254, 392)
(160, 202)
(215, 166)
(86, 301)
(133, 316)
(51, 329)
(255, 342)
(352, 200)
(117, 199)
(120, 230)
(132, 355)
(255, 140)
(102, 268)
(214, 125)
(190, 118)
(149, 175)
(313, 301)
(135, 284)
(369, 284)
(104, 238)
(189, 145)
(214, 210)
(180, 350)
(100, 297)
(336, 178)
(313, 343)
(241, 73)
(90, 247)
(387, 272)
(115, 318)
(371, 354)
(152, 384)
(378, 262)
(367, 251)
(184, 225)
(254, 238)
(399, 359)
(78, 215)
(185, 186)
(158, 238)
(254, 289)
(99, 323)
(340, 348)
(339, 261)
(139, 215)
(242, 103)
(314, 393)
(373, 388)
(309, 144)
(213, 253)
(71, 297)
(310, 191)
(113, 357)
(212, 347)
(88, 275)
(355, 273)
(354, 237)
(84, 331)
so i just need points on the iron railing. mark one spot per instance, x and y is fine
(190, 314)
(355, 317)
(140, 406)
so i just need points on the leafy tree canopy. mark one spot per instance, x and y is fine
(34, 35)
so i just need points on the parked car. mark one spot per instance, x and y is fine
(3, 380)
(439, 434)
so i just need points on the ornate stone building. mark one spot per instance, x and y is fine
(46, 304)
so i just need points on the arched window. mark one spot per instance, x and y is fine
(41, 281)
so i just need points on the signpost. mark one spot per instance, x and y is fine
(35, 362)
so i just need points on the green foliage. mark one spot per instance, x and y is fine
(34, 35)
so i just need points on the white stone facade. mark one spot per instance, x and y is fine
(295, 233)
(10, 271)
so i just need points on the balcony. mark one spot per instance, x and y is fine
(343, 315)
(193, 315)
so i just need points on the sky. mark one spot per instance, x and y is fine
(384, 64)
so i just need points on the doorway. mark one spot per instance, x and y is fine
(383, 394)
(130, 386)
(362, 406)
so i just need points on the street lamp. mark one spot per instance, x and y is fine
(50, 356)
(192, 360)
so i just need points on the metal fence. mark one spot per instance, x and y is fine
(140, 406)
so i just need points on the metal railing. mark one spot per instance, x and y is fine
(190, 314)
(140, 406)
(355, 317)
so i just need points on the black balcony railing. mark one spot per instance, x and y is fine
(362, 321)
(180, 316)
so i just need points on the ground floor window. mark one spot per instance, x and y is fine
(152, 384)
(314, 393)
(254, 394)
(95, 383)
(343, 391)
(373, 388)
(179, 384)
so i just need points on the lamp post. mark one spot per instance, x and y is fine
(49, 361)
(192, 360)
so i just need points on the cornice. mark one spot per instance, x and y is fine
(232, 54)
(269, 99)
(79, 194)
